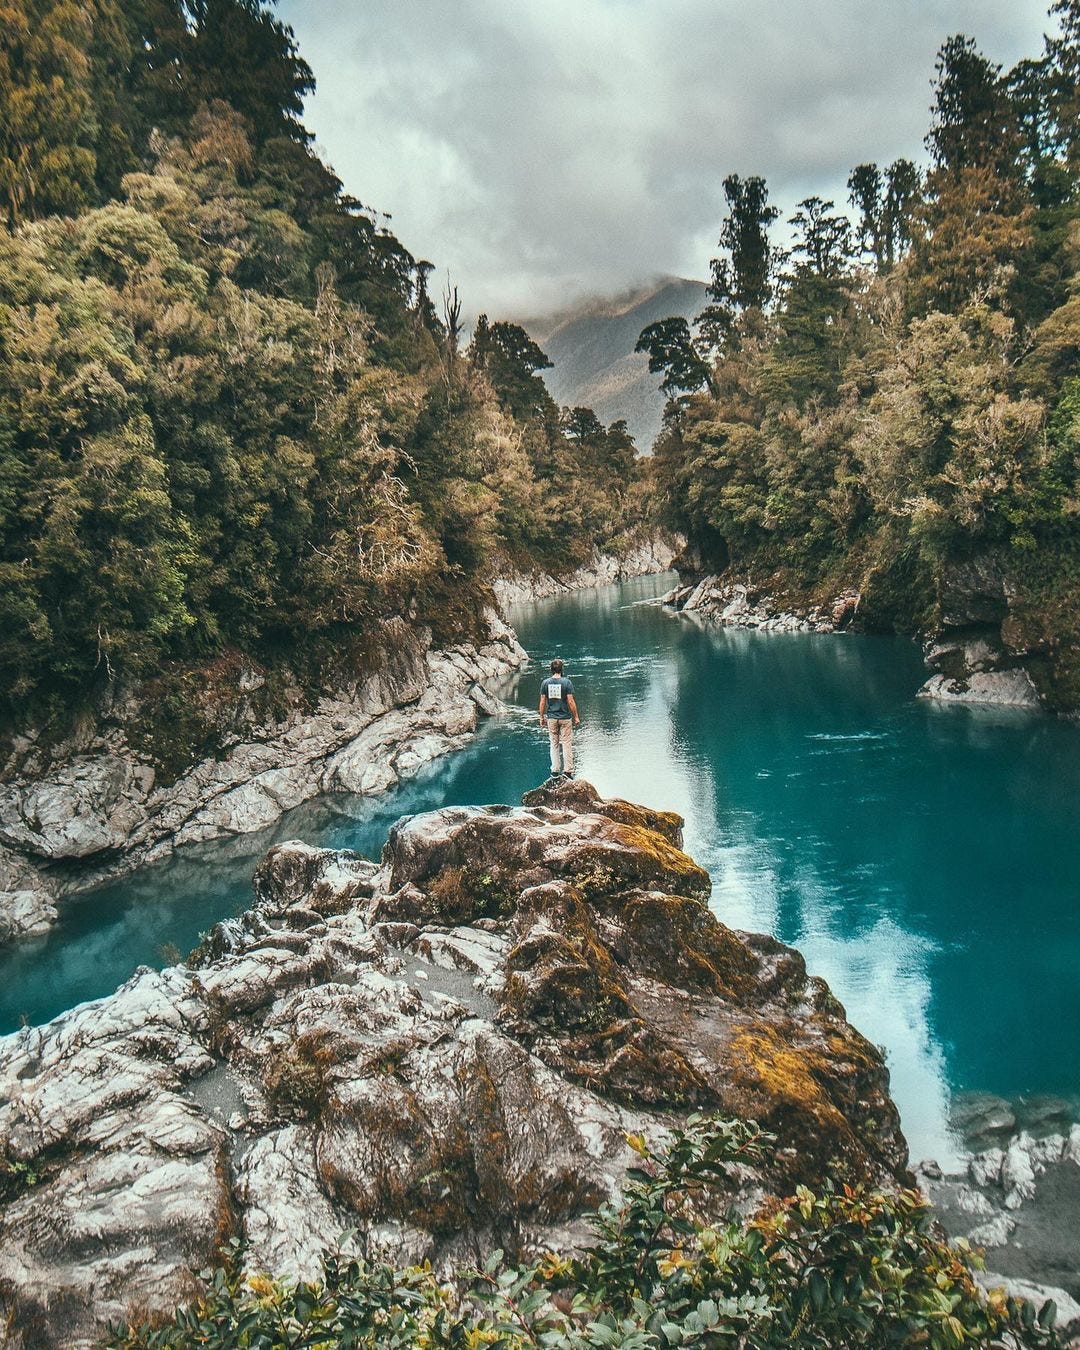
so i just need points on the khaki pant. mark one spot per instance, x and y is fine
(561, 736)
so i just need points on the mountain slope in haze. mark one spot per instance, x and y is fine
(592, 346)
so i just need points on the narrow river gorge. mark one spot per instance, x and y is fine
(923, 858)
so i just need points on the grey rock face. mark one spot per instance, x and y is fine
(973, 667)
(89, 807)
(737, 606)
(652, 554)
(1005, 688)
(973, 592)
(99, 804)
(446, 1052)
(977, 654)
(27, 906)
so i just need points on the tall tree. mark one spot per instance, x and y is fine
(974, 121)
(975, 223)
(1063, 58)
(823, 244)
(743, 281)
(240, 53)
(510, 359)
(886, 205)
(903, 185)
(864, 193)
(744, 273)
(673, 352)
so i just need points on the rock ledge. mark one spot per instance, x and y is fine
(445, 1051)
(84, 811)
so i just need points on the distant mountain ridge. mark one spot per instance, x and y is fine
(592, 346)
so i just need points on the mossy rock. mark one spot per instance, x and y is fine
(678, 940)
(579, 795)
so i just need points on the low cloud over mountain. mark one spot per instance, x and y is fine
(592, 346)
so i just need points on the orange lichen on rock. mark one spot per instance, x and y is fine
(678, 940)
(779, 1075)
(654, 858)
(798, 1090)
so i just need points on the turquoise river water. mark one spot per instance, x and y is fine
(923, 858)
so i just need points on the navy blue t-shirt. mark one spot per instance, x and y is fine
(555, 688)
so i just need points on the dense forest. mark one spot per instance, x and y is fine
(897, 392)
(232, 416)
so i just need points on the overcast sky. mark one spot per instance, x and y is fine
(542, 150)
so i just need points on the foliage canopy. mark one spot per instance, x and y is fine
(851, 1268)
(230, 415)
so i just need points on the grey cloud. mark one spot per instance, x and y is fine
(543, 149)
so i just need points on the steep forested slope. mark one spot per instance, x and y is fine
(232, 418)
(894, 404)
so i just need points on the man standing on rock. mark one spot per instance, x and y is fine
(557, 708)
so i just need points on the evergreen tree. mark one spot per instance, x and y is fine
(743, 275)
(510, 359)
(886, 205)
(975, 222)
(673, 352)
(823, 244)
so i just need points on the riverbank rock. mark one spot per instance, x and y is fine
(445, 1051)
(27, 905)
(653, 553)
(735, 605)
(971, 660)
(92, 808)
(1018, 1196)
(972, 666)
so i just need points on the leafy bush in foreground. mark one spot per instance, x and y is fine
(850, 1268)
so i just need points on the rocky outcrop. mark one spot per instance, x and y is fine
(1017, 1195)
(649, 554)
(979, 651)
(446, 1052)
(970, 653)
(742, 606)
(75, 813)
(972, 667)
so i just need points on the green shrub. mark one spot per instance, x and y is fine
(856, 1267)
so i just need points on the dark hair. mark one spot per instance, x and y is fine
(556, 666)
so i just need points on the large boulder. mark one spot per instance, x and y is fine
(88, 808)
(446, 1052)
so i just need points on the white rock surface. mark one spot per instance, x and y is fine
(737, 606)
(994, 1232)
(1068, 1310)
(985, 1168)
(350, 1056)
(653, 554)
(1019, 1171)
(1006, 688)
(99, 804)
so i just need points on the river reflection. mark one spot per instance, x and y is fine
(922, 858)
